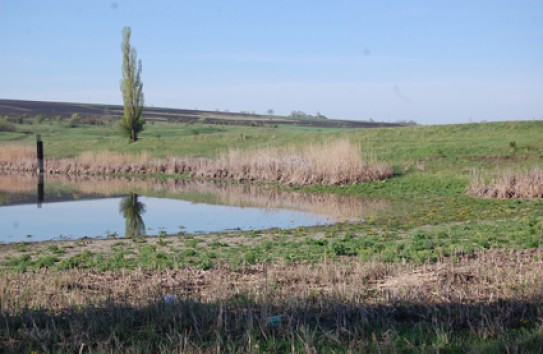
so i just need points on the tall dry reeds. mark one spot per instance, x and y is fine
(508, 184)
(17, 157)
(335, 162)
(16, 152)
(332, 163)
(113, 158)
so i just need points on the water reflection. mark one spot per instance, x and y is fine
(41, 185)
(132, 209)
(79, 206)
(63, 188)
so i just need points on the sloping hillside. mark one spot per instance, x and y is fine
(31, 109)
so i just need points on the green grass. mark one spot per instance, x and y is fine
(440, 146)
(158, 139)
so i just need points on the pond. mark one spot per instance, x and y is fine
(68, 207)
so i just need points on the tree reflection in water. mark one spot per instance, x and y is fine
(132, 209)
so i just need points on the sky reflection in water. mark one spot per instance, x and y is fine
(76, 207)
(100, 217)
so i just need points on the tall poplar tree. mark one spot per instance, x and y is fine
(132, 88)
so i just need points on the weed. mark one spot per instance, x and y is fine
(55, 250)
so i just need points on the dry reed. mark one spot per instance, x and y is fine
(16, 152)
(17, 157)
(508, 184)
(336, 162)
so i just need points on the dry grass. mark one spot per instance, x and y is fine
(509, 184)
(336, 162)
(350, 306)
(21, 156)
(113, 158)
(15, 152)
(484, 277)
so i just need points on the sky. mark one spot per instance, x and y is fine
(433, 62)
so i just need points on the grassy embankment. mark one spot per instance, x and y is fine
(439, 270)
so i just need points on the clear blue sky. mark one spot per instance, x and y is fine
(434, 61)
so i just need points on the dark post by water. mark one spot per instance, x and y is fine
(40, 153)
(39, 146)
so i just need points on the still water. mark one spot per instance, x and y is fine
(76, 207)
(103, 217)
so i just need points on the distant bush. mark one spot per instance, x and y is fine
(16, 120)
(39, 119)
(74, 121)
(91, 120)
(6, 126)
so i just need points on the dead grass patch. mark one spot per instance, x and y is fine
(347, 306)
(488, 276)
(508, 184)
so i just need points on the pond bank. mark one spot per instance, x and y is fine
(335, 163)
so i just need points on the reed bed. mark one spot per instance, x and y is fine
(16, 152)
(17, 157)
(114, 158)
(508, 184)
(348, 307)
(334, 163)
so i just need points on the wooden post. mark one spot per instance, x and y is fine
(39, 147)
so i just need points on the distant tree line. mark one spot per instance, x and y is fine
(406, 122)
(8, 123)
(302, 114)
